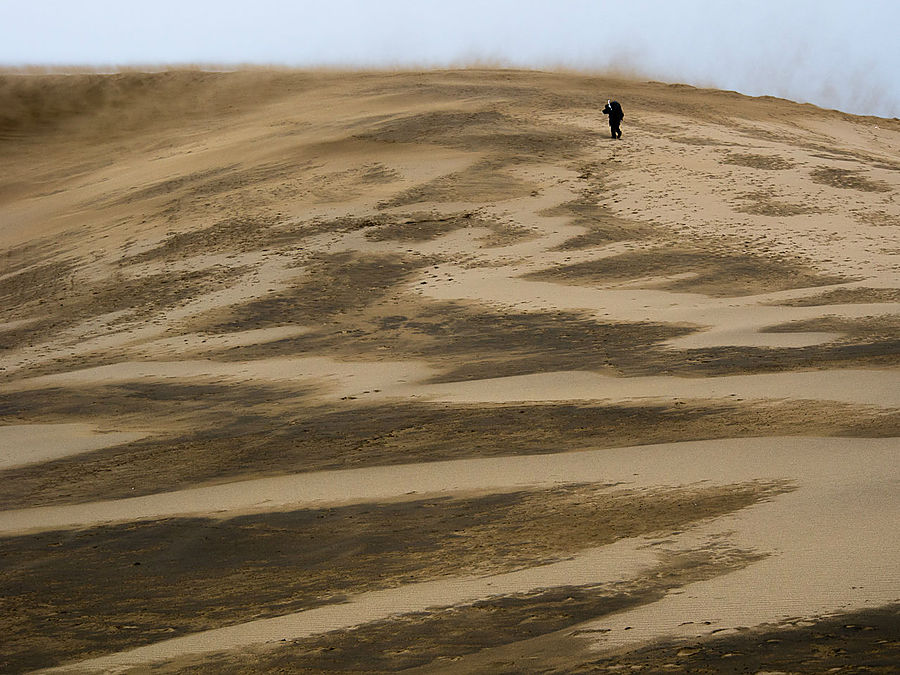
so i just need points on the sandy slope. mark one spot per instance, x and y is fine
(828, 553)
(320, 347)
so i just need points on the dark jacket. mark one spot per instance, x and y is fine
(614, 110)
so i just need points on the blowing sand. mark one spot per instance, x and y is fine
(367, 372)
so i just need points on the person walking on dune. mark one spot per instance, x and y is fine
(614, 110)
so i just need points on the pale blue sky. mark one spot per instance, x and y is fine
(837, 54)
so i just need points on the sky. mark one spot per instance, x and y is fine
(837, 54)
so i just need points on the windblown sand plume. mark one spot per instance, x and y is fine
(367, 372)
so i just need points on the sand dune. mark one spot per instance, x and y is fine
(378, 371)
(34, 443)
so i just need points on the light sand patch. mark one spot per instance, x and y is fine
(336, 378)
(749, 336)
(871, 387)
(378, 380)
(197, 342)
(720, 461)
(13, 325)
(22, 444)
(741, 325)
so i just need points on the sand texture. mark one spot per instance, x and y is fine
(367, 372)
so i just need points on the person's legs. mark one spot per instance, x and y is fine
(612, 128)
